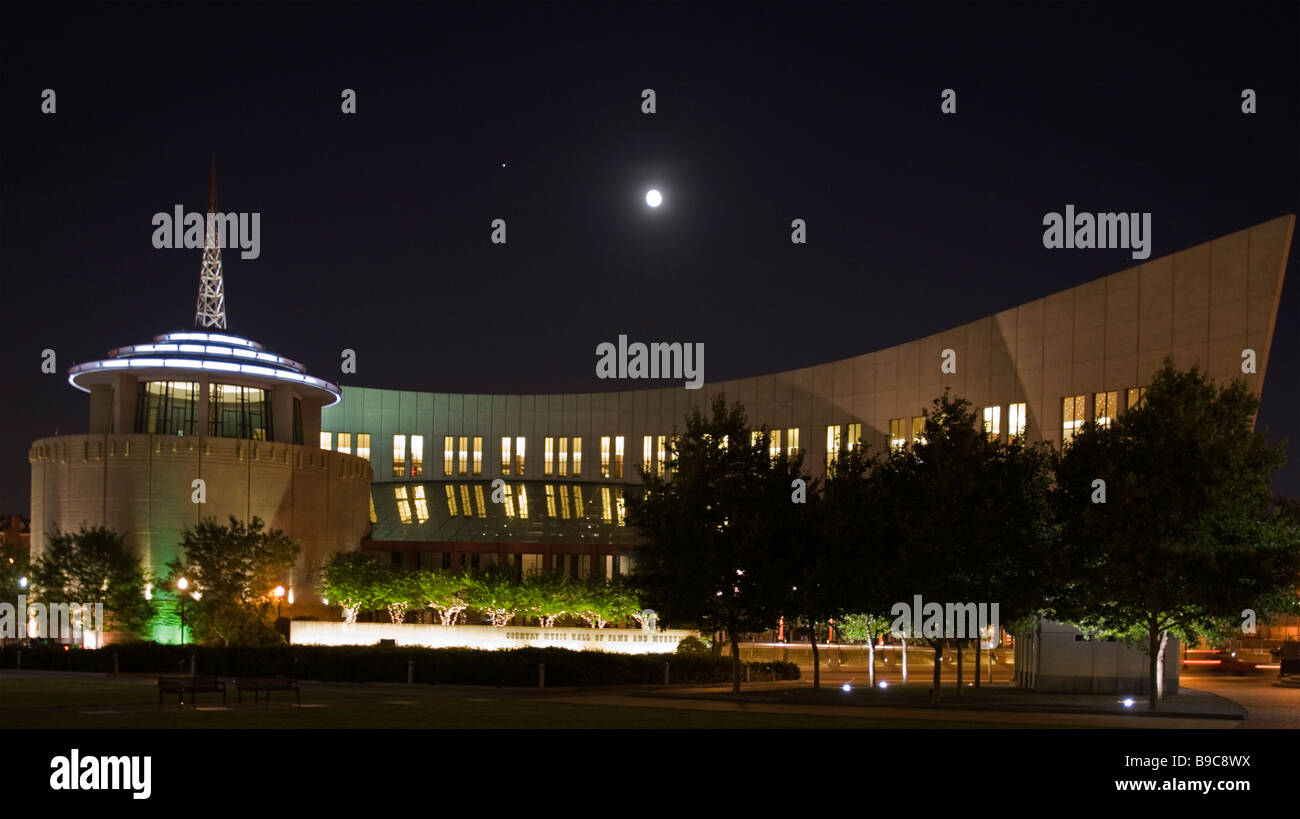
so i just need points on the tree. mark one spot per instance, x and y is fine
(967, 518)
(710, 527)
(15, 564)
(444, 592)
(398, 589)
(1188, 534)
(599, 602)
(547, 596)
(829, 561)
(95, 566)
(352, 581)
(232, 571)
(865, 628)
(495, 591)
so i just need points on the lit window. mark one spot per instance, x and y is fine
(918, 429)
(564, 500)
(550, 498)
(479, 505)
(345, 442)
(620, 510)
(509, 493)
(606, 509)
(578, 508)
(854, 437)
(774, 447)
(448, 455)
(478, 455)
(618, 457)
(421, 504)
(399, 456)
(523, 501)
(993, 423)
(505, 456)
(792, 442)
(417, 455)
(1137, 397)
(564, 457)
(1105, 408)
(327, 440)
(832, 446)
(374, 518)
(465, 507)
(662, 452)
(604, 456)
(548, 457)
(647, 453)
(577, 457)
(464, 456)
(1073, 413)
(897, 438)
(451, 498)
(403, 503)
(1017, 421)
(519, 456)
(233, 411)
(363, 445)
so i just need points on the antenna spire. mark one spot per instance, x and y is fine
(211, 309)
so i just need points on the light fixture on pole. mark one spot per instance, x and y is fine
(182, 585)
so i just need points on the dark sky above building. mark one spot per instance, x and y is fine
(375, 226)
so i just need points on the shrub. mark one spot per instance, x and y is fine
(445, 666)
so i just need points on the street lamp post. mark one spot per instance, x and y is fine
(278, 591)
(182, 585)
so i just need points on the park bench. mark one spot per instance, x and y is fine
(267, 684)
(180, 686)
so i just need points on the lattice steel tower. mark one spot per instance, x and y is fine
(211, 310)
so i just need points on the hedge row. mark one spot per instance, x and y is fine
(444, 666)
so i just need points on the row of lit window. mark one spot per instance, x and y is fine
(345, 443)
(1017, 423)
(413, 504)
(1105, 408)
(556, 459)
(575, 566)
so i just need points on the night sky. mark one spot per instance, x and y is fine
(375, 226)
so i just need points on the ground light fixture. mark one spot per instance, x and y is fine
(1127, 702)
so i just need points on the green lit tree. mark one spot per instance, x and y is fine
(351, 580)
(599, 602)
(94, 566)
(547, 596)
(398, 591)
(865, 629)
(232, 571)
(496, 592)
(443, 591)
(1189, 535)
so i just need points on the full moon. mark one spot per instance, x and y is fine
(653, 198)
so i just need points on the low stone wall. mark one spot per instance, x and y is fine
(615, 640)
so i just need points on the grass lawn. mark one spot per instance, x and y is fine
(71, 705)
